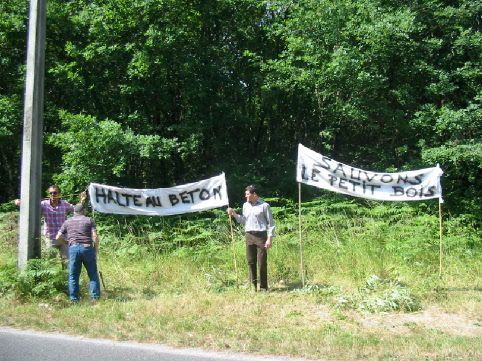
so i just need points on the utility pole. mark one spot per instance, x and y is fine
(31, 176)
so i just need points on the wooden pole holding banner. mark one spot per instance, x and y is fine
(233, 244)
(302, 267)
(101, 276)
(440, 236)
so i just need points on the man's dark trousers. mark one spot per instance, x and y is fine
(257, 254)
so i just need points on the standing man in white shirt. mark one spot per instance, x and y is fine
(259, 227)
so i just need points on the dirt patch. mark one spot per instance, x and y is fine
(432, 318)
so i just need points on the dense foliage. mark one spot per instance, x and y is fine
(151, 93)
(376, 258)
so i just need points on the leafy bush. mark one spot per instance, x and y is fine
(41, 278)
(381, 295)
(8, 279)
(218, 280)
(8, 207)
(163, 234)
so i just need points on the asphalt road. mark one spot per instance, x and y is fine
(16, 345)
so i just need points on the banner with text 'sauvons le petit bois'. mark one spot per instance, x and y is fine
(193, 197)
(323, 172)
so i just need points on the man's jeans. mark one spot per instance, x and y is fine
(78, 255)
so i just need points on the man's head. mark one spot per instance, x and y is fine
(79, 209)
(251, 194)
(54, 191)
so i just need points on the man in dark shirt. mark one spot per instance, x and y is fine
(81, 236)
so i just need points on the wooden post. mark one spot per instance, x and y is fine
(31, 174)
(440, 237)
(302, 267)
(233, 245)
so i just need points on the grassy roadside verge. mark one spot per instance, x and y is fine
(373, 290)
(290, 325)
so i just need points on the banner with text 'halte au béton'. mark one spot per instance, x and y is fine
(323, 172)
(193, 197)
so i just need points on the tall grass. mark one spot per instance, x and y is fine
(344, 244)
(174, 280)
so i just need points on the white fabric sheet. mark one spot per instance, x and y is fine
(322, 172)
(193, 197)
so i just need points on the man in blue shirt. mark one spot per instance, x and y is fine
(259, 227)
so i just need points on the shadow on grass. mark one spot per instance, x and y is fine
(120, 294)
(460, 289)
(298, 287)
(287, 287)
(125, 294)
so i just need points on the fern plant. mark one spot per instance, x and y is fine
(41, 278)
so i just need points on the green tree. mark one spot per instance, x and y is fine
(381, 84)
(153, 93)
(12, 54)
(448, 125)
(172, 69)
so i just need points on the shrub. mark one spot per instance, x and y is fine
(41, 278)
(8, 279)
(381, 295)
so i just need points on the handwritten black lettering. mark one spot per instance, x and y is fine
(340, 167)
(97, 194)
(118, 200)
(402, 178)
(430, 191)
(314, 173)
(353, 176)
(397, 191)
(418, 180)
(153, 201)
(368, 178)
(174, 200)
(127, 197)
(184, 197)
(204, 195)
(325, 164)
(355, 184)
(217, 192)
(136, 198)
(386, 178)
(110, 197)
(332, 179)
(303, 173)
(411, 192)
(341, 183)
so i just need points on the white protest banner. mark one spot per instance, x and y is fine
(322, 172)
(193, 197)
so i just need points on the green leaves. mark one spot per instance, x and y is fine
(41, 278)
(167, 91)
(105, 152)
(382, 295)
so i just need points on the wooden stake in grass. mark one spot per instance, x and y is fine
(101, 276)
(302, 268)
(440, 236)
(102, 279)
(234, 250)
